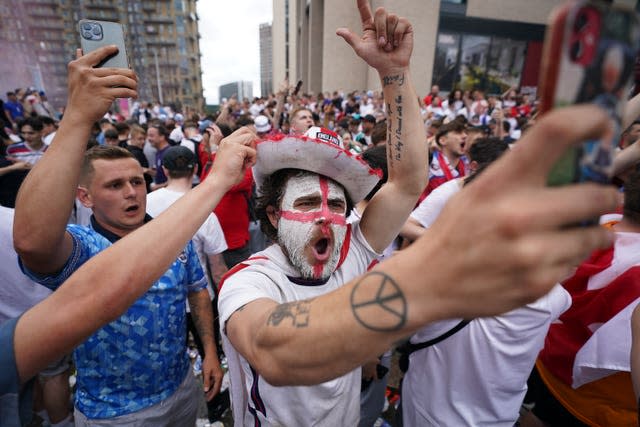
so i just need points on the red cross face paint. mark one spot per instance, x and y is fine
(312, 224)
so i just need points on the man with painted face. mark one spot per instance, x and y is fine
(306, 187)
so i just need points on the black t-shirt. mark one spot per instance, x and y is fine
(10, 184)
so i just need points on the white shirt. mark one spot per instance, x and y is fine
(48, 138)
(478, 376)
(429, 209)
(208, 240)
(332, 403)
(17, 292)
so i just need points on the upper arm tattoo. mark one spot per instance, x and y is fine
(296, 312)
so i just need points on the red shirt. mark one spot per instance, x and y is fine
(233, 210)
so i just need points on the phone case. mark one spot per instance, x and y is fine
(588, 57)
(95, 34)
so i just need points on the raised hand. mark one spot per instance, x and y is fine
(386, 42)
(235, 154)
(212, 137)
(93, 90)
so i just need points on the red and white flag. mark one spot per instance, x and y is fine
(592, 339)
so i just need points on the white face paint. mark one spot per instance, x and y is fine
(312, 233)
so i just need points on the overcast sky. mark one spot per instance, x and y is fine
(230, 44)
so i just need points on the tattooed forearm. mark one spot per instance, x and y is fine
(202, 315)
(378, 304)
(396, 138)
(389, 132)
(296, 312)
(397, 78)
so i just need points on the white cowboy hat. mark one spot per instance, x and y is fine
(321, 151)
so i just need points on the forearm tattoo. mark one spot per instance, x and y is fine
(378, 304)
(398, 78)
(296, 312)
(396, 141)
(395, 114)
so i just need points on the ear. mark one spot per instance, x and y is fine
(273, 216)
(166, 171)
(84, 196)
(473, 166)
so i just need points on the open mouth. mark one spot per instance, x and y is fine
(321, 249)
(132, 209)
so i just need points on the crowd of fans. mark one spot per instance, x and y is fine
(466, 370)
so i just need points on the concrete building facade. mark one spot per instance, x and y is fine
(491, 44)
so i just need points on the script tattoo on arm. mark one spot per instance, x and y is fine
(378, 303)
(397, 144)
(296, 312)
(397, 78)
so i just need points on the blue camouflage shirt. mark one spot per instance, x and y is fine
(139, 359)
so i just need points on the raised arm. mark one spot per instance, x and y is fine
(500, 243)
(97, 293)
(47, 194)
(386, 45)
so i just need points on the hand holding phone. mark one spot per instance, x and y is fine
(588, 57)
(95, 34)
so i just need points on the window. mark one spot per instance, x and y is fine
(469, 61)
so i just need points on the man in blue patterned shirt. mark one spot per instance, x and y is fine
(136, 367)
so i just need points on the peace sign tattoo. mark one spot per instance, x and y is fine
(377, 302)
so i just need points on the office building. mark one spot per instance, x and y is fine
(241, 90)
(266, 60)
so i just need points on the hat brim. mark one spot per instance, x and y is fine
(300, 152)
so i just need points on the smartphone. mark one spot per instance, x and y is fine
(95, 34)
(297, 88)
(588, 57)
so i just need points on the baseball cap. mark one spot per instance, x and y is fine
(262, 124)
(204, 125)
(179, 158)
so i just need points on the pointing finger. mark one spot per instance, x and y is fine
(365, 15)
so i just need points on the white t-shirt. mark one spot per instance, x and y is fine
(478, 376)
(429, 209)
(17, 292)
(48, 138)
(208, 240)
(333, 403)
(176, 134)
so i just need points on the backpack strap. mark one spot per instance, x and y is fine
(408, 347)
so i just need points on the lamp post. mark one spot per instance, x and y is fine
(155, 56)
